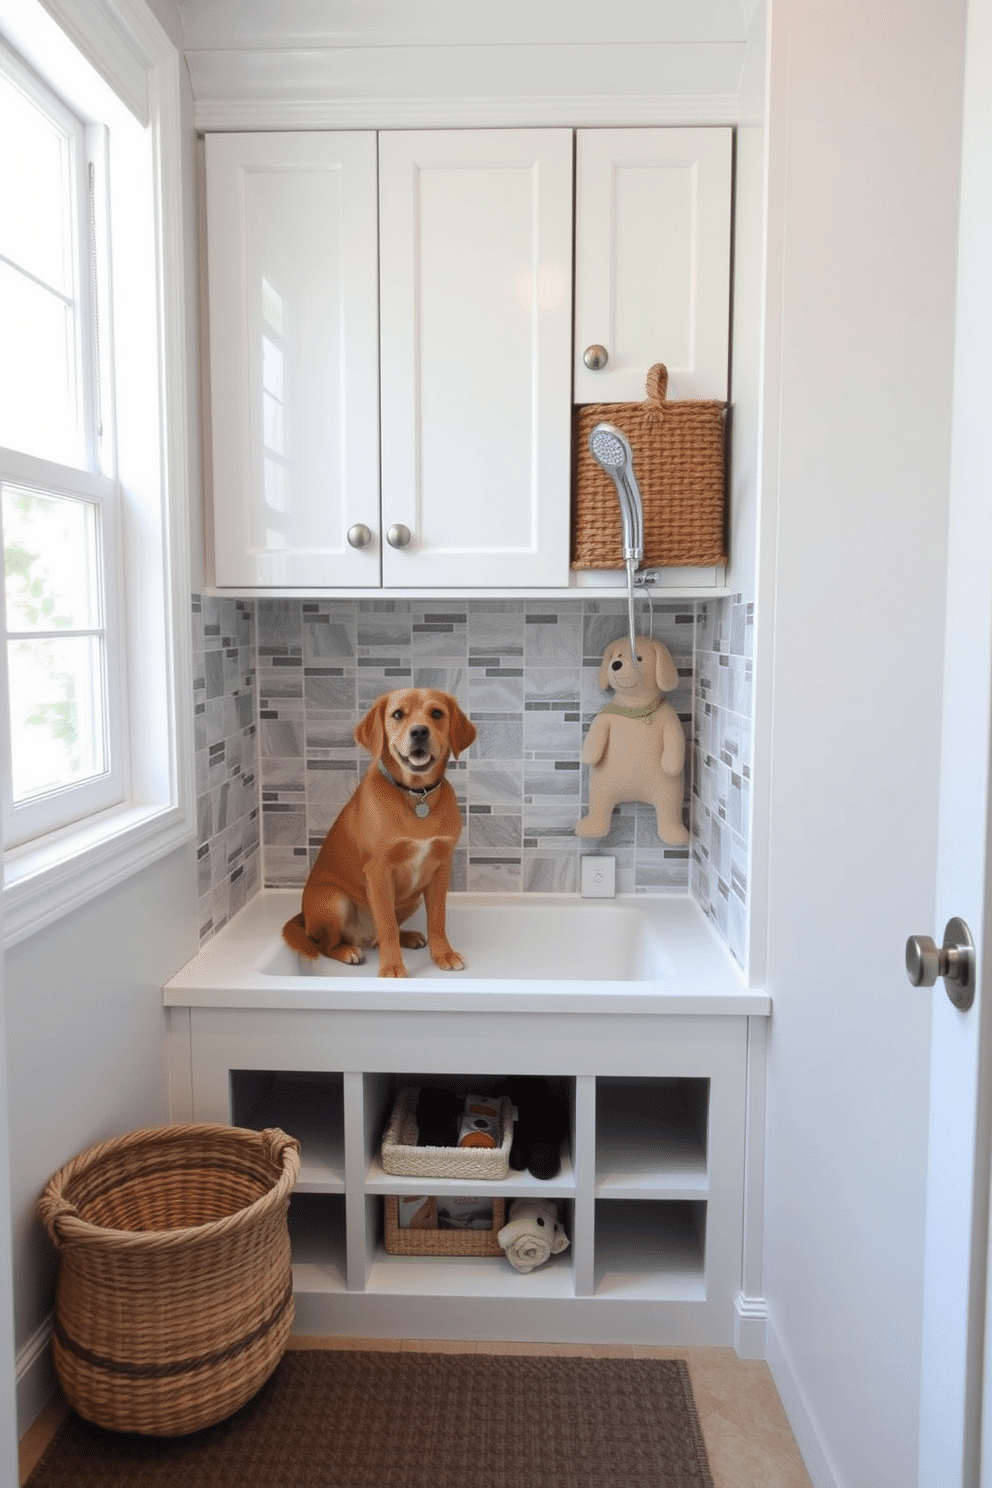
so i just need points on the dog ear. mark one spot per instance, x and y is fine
(603, 680)
(462, 731)
(371, 732)
(665, 671)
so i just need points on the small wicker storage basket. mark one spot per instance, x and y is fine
(402, 1156)
(679, 461)
(397, 1241)
(174, 1297)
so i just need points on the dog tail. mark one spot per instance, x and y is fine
(294, 933)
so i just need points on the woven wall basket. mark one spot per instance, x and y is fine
(174, 1297)
(679, 463)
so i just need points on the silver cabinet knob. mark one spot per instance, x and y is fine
(596, 357)
(954, 961)
(398, 536)
(359, 536)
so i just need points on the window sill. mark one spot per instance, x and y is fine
(52, 877)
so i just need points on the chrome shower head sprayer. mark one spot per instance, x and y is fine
(612, 452)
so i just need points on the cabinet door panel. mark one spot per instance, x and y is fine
(292, 243)
(475, 266)
(652, 260)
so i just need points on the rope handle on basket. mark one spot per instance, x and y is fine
(276, 1143)
(51, 1210)
(656, 388)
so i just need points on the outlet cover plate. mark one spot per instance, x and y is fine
(598, 878)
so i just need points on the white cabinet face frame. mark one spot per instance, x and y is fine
(476, 334)
(293, 307)
(652, 260)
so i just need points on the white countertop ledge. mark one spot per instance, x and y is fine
(634, 954)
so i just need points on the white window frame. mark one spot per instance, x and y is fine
(116, 67)
(28, 821)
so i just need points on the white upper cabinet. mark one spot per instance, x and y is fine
(652, 261)
(293, 303)
(476, 335)
(391, 339)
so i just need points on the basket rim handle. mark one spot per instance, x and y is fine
(656, 384)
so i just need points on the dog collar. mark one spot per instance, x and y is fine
(648, 710)
(423, 806)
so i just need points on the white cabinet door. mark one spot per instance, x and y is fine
(475, 303)
(292, 248)
(652, 260)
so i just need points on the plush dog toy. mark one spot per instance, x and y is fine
(635, 748)
(533, 1234)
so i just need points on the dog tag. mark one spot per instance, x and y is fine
(422, 809)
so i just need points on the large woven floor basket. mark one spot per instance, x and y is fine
(174, 1298)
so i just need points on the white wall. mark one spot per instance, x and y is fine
(86, 1051)
(86, 1059)
(864, 130)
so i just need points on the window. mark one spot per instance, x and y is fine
(95, 691)
(62, 743)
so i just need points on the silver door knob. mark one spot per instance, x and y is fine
(398, 536)
(596, 357)
(359, 536)
(954, 961)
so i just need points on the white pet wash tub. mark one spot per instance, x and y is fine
(526, 951)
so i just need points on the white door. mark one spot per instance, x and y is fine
(951, 1438)
(293, 298)
(476, 335)
(652, 261)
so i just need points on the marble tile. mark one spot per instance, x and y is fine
(279, 686)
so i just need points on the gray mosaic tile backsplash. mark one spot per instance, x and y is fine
(280, 684)
(229, 857)
(721, 807)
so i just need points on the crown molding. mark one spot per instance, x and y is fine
(370, 87)
(465, 113)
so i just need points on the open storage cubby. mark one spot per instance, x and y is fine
(308, 1105)
(651, 1189)
(651, 1137)
(461, 1276)
(650, 1171)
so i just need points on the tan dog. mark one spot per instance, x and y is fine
(635, 747)
(392, 843)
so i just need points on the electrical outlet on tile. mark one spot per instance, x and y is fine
(598, 877)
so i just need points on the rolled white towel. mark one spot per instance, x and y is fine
(533, 1234)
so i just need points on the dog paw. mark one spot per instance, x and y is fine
(351, 955)
(393, 969)
(448, 960)
(412, 940)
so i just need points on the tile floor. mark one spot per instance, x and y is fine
(747, 1435)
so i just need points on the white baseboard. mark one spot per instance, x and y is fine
(818, 1465)
(750, 1318)
(34, 1376)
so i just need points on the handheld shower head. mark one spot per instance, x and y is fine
(612, 453)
